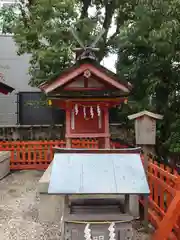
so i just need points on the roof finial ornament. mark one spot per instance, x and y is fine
(87, 51)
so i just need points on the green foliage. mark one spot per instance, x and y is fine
(42, 30)
(149, 58)
(174, 139)
(7, 18)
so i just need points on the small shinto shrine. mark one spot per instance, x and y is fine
(86, 91)
(5, 89)
(95, 185)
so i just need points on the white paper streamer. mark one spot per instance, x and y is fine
(76, 110)
(98, 110)
(112, 231)
(84, 111)
(87, 232)
(91, 112)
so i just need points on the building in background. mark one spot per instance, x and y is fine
(16, 114)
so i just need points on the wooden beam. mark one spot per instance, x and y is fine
(89, 135)
(86, 88)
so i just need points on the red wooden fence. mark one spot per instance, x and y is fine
(38, 154)
(164, 186)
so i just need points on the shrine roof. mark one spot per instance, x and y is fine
(80, 66)
(145, 113)
(100, 173)
(5, 89)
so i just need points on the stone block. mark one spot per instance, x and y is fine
(43, 184)
(50, 209)
(134, 205)
(4, 163)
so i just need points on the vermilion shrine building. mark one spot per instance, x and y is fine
(5, 89)
(86, 91)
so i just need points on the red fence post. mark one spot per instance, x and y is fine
(166, 225)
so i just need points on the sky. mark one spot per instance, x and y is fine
(109, 62)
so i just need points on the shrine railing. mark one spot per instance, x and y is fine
(38, 154)
(164, 184)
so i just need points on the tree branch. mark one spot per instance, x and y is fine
(30, 2)
(84, 11)
(124, 13)
(118, 23)
(109, 12)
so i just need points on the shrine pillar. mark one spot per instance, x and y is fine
(68, 126)
(106, 128)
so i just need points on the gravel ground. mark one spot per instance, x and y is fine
(19, 210)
